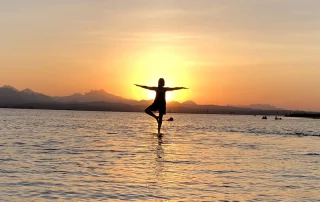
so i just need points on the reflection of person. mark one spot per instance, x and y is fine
(159, 103)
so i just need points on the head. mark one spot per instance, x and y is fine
(161, 82)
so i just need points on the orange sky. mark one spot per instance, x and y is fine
(226, 52)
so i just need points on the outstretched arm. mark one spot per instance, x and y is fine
(146, 87)
(175, 88)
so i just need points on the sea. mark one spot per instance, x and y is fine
(48, 155)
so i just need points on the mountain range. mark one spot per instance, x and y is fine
(101, 100)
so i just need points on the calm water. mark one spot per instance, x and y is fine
(103, 156)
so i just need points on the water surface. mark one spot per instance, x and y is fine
(108, 156)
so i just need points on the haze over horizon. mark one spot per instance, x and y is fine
(226, 52)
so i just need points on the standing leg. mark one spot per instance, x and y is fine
(159, 122)
(149, 112)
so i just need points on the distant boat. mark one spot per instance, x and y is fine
(170, 119)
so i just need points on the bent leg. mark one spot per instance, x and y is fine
(160, 122)
(149, 112)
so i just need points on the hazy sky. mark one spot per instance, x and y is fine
(225, 51)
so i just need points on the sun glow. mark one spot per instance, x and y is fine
(161, 62)
(151, 95)
(169, 96)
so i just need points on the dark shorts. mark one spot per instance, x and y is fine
(160, 107)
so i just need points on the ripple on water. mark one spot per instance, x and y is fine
(313, 154)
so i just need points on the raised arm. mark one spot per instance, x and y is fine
(146, 87)
(175, 88)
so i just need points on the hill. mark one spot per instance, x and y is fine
(99, 100)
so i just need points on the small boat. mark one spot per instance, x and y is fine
(170, 119)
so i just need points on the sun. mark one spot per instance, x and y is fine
(160, 62)
(151, 95)
(169, 96)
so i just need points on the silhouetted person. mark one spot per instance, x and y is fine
(159, 103)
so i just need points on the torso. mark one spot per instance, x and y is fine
(160, 96)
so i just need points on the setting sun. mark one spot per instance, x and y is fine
(161, 62)
(151, 95)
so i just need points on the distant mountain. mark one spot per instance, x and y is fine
(28, 91)
(99, 100)
(10, 88)
(12, 96)
(260, 106)
(189, 103)
(96, 96)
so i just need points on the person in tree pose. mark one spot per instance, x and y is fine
(159, 103)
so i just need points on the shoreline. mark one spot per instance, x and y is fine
(173, 110)
(305, 115)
